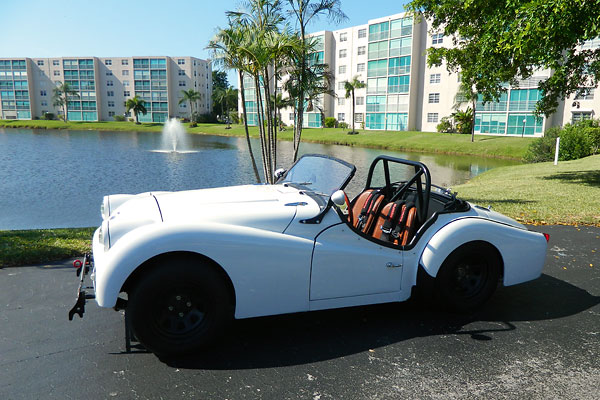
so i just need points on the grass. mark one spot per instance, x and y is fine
(543, 193)
(428, 142)
(42, 245)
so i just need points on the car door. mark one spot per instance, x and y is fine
(345, 264)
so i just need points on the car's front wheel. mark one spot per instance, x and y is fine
(468, 277)
(178, 306)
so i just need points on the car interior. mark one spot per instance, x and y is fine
(394, 210)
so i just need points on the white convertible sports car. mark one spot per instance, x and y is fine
(183, 264)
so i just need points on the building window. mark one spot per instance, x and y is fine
(56, 73)
(585, 94)
(125, 83)
(124, 62)
(181, 72)
(341, 117)
(362, 33)
(125, 73)
(181, 83)
(44, 103)
(42, 92)
(434, 78)
(341, 85)
(111, 113)
(362, 50)
(180, 61)
(360, 67)
(432, 117)
(437, 38)
(182, 105)
(581, 116)
(291, 116)
(360, 101)
(109, 83)
(434, 98)
(111, 103)
(342, 69)
(110, 93)
(126, 93)
(343, 53)
(341, 101)
(107, 62)
(359, 117)
(109, 73)
(343, 37)
(40, 62)
(55, 62)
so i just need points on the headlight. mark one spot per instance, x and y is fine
(105, 208)
(103, 235)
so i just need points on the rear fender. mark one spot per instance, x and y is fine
(522, 252)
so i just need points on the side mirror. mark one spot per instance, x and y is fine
(339, 198)
(279, 173)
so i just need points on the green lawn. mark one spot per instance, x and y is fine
(543, 193)
(429, 142)
(42, 245)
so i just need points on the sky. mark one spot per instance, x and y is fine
(121, 28)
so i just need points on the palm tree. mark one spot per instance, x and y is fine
(280, 103)
(350, 88)
(191, 96)
(302, 12)
(136, 105)
(226, 47)
(61, 95)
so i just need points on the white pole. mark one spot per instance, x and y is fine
(556, 152)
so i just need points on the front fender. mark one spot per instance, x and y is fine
(523, 252)
(264, 267)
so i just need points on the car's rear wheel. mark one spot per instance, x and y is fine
(178, 306)
(468, 277)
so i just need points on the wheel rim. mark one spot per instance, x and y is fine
(469, 278)
(179, 312)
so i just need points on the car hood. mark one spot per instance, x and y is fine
(269, 207)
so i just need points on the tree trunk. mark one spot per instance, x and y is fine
(254, 167)
(473, 123)
(261, 129)
(353, 111)
(298, 127)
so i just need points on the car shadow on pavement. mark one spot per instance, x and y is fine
(297, 339)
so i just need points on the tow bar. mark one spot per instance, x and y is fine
(83, 267)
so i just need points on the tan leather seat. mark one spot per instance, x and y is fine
(359, 204)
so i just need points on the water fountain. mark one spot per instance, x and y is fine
(174, 138)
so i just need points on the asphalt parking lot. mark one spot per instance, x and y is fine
(537, 340)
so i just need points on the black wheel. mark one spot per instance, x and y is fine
(468, 277)
(179, 306)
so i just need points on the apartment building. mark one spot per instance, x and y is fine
(403, 93)
(103, 84)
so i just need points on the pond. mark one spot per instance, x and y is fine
(57, 178)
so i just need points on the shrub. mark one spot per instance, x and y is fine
(445, 125)
(193, 125)
(542, 149)
(343, 125)
(330, 122)
(119, 118)
(205, 118)
(48, 116)
(234, 117)
(574, 143)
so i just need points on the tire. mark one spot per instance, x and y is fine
(179, 306)
(468, 277)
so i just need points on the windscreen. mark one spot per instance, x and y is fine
(320, 174)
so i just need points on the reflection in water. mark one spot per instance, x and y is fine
(57, 178)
